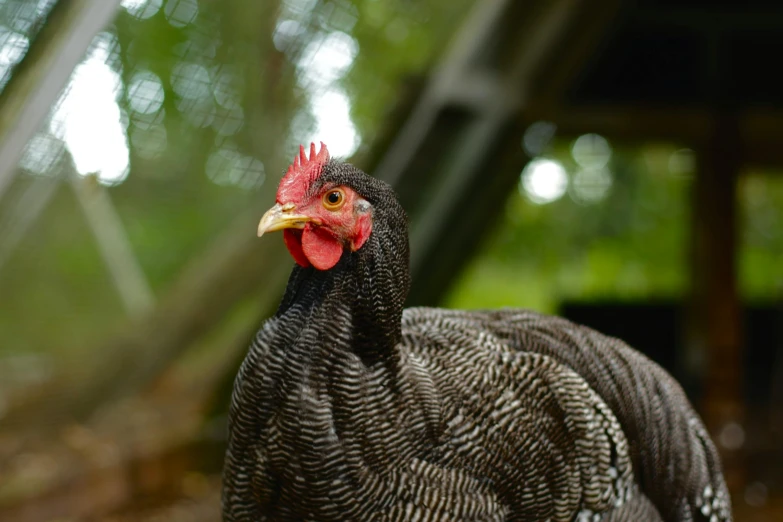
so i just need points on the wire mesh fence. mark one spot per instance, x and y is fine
(21, 22)
(126, 237)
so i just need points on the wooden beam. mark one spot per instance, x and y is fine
(631, 123)
(233, 267)
(22, 213)
(715, 18)
(566, 62)
(440, 157)
(758, 133)
(716, 317)
(114, 245)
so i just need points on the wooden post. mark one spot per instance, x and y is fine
(716, 313)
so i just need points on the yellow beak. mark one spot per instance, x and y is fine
(280, 217)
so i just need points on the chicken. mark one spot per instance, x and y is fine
(348, 407)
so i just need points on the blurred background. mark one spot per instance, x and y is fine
(616, 162)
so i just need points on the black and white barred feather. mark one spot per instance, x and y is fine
(349, 408)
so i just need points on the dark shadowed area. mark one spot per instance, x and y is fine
(615, 162)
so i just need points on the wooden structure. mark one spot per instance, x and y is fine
(689, 72)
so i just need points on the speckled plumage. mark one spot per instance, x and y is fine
(349, 408)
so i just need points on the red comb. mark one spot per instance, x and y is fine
(301, 174)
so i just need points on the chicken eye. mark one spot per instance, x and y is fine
(334, 199)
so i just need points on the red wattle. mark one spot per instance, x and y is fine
(321, 248)
(362, 231)
(293, 241)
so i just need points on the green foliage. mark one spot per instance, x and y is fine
(59, 299)
(629, 245)
(761, 255)
(632, 245)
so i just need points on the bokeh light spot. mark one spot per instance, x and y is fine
(181, 13)
(756, 494)
(229, 121)
(591, 185)
(326, 60)
(145, 92)
(142, 9)
(190, 80)
(227, 166)
(537, 137)
(682, 162)
(225, 87)
(12, 46)
(41, 154)
(286, 33)
(732, 436)
(88, 117)
(591, 151)
(333, 119)
(543, 181)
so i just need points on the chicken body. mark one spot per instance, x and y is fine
(347, 408)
